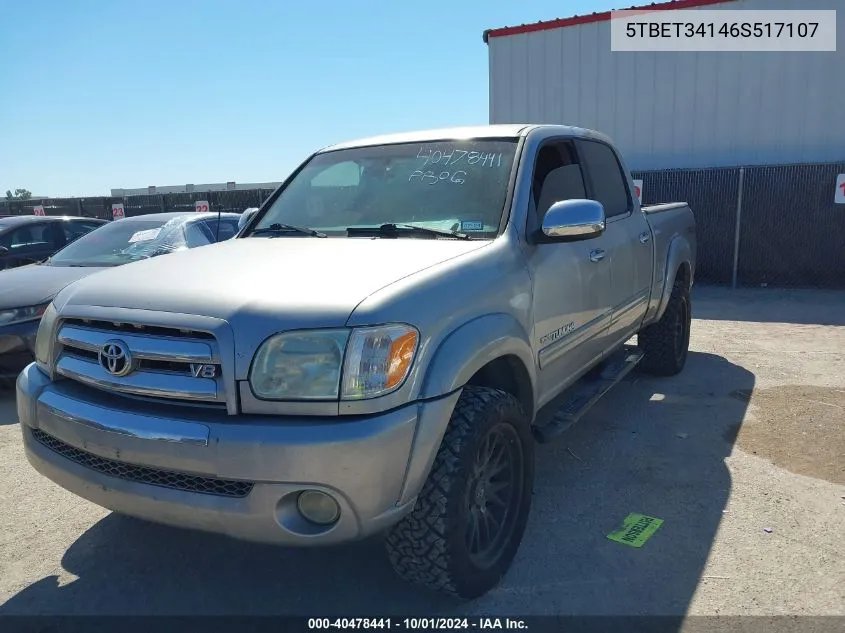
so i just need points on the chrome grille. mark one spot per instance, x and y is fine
(145, 474)
(166, 363)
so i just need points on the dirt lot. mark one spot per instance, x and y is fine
(743, 456)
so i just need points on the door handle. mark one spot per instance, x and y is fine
(596, 255)
(645, 237)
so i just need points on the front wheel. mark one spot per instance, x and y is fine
(665, 344)
(470, 516)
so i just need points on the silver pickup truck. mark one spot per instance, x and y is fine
(377, 351)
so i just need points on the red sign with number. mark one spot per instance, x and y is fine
(201, 206)
(38, 210)
(839, 197)
(117, 211)
(638, 190)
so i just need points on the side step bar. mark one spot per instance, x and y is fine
(581, 396)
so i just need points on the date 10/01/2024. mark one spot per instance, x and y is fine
(417, 623)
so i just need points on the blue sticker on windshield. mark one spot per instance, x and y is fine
(472, 226)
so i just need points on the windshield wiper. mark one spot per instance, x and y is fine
(395, 230)
(278, 229)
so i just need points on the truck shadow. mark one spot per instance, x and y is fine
(655, 446)
(769, 305)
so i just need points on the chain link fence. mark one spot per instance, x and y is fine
(761, 226)
(775, 226)
(712, 195)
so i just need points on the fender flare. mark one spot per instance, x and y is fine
(678, 253)
(464, 351)
(470, 347)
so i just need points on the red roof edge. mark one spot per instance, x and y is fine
(596, 17)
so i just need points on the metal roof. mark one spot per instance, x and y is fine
(558, 23)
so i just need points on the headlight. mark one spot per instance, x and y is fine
(378, 360)
(44, 338)
(331, 364)
(301, 365)
(19, 315)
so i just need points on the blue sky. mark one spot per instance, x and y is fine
(111, 93)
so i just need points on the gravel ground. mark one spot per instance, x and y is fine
(742, 456)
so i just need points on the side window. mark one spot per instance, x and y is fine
(197, 234)
(75, 230)
(36, 235)
(606, 177)
(7, 237)
(557, 176)
(228, 228)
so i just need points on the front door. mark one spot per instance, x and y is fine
(571, 299)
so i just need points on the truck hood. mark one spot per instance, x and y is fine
(290, 281)
(35, 284)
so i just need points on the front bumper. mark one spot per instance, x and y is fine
(235, 475)
(17, 345)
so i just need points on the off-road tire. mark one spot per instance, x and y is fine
(665, 344)
(429, 546)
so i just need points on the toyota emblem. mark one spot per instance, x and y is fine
(115, 358)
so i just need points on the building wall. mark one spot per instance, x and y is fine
(691, 109)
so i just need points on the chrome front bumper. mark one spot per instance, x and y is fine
(236, 475)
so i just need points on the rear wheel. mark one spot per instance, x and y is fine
(470, 516)
(665, 344)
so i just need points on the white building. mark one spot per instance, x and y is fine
(675, 109)
(153, 190)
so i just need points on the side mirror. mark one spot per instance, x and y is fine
(246, 216)
(574, 220)
(3, 251)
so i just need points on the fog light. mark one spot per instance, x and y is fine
(318, 507)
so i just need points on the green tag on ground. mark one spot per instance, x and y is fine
(636, 530)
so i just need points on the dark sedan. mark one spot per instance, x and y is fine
(26, 291)
(27, 239)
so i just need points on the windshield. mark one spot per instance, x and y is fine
(123, 241)
(454, 186)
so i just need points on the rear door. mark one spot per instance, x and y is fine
(571, 299)
(629, 270)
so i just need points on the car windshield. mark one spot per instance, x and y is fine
(456, 185)
(123, 241)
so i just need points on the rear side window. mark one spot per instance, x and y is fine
(228, 228)
(28, 235)
(197, 234)
(606, 176)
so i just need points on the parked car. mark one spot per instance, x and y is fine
(27, 290)
(377, 351)
(26, 239)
